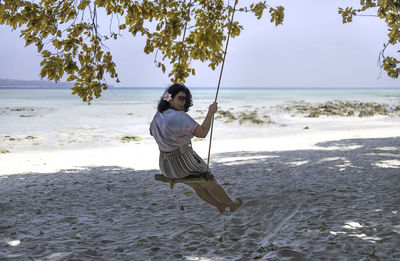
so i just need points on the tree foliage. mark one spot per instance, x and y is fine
(389, 10)
(67, 35)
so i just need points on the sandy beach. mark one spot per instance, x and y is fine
(319, 178)
(309, 194)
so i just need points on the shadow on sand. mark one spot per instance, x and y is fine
(337, 202)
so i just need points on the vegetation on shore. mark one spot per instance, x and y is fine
(244, 117)
(339, 108)
(4, 151)
(37, 84)
(130, 138)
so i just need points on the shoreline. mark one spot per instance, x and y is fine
(143, 155)
(48, 132)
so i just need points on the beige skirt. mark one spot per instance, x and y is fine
(181, 162)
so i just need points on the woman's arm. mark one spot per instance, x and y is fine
(202, 130)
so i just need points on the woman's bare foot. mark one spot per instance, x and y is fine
(221, 208)
(236, 204)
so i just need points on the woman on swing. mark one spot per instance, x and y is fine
(173, 129)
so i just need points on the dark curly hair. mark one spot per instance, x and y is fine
(174, 89)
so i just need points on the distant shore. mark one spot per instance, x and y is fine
(35, 84)
(39, 84)
(11, 83)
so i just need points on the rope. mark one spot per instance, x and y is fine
(183, 39)
(219, 83)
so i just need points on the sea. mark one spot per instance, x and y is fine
(58, 115)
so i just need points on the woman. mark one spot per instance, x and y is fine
(173, 129)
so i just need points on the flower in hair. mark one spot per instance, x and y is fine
(167, 96)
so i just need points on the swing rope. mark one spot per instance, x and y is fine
(220, 75)
(183, 39)
(219, 83)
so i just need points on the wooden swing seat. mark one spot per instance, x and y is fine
(204, 177)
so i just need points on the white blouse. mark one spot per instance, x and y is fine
(172, 129)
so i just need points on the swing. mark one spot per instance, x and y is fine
(202, 177)
(206, 176)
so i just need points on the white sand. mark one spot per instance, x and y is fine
(327, 193)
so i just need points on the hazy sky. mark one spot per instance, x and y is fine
(311, 49)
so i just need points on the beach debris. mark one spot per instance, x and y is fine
(107, 241)
(366, 113)
(38, 211)
(338, 108)
(20, 109)
(4, 151)
(182, 208)
(120, 249)
(130, 138)
(188, 192)
(261, 249)
(243, 117)
(323, 226)
(220, 238)
(372, 254)
(306, 128)
(30, 137)
(226, 115)
(13, 242)
(252, 118)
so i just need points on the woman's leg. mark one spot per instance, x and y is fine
(205, 195)
(219, 194)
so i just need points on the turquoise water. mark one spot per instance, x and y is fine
(140, 96)
(130, 110)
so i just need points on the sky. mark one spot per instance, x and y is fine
(312, 49)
